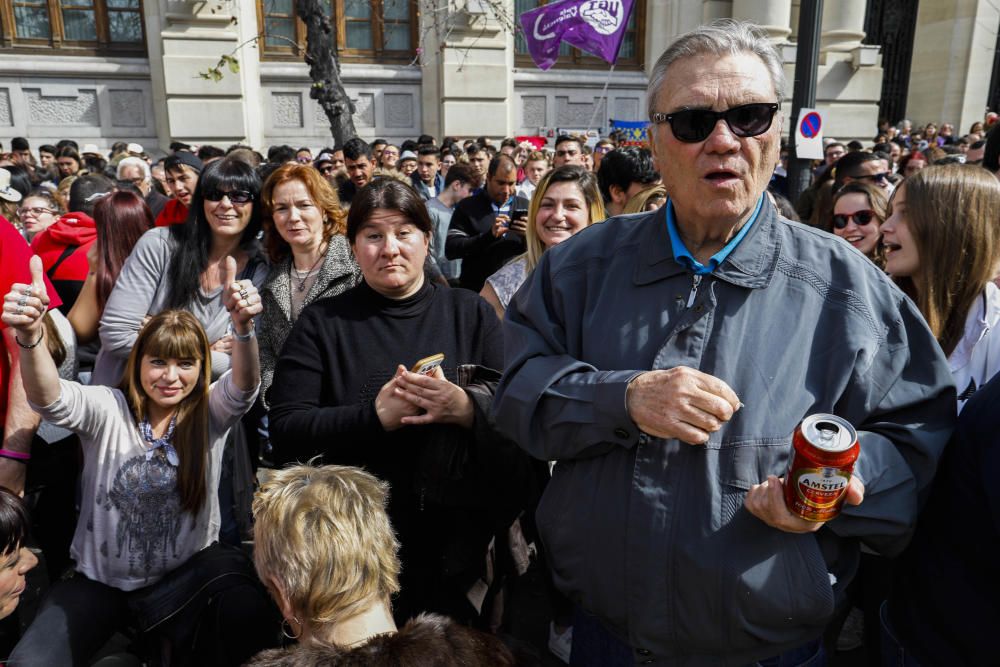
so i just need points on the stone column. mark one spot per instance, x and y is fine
(472, 73)
(774, 16)
(843, 25)
(952, 62)
(186, 38)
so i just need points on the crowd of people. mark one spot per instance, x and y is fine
(332, 408)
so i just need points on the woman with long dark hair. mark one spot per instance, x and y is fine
(121, 219)
(145, 545)
(180, 267)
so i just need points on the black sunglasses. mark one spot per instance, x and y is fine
(877, 178)
(694, 125)
(235, 196)
(860, 217)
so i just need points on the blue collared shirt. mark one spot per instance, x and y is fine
(683, 257)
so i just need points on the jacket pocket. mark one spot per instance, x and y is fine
(776, 583)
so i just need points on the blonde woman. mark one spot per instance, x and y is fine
(566, 200)
(326, 551)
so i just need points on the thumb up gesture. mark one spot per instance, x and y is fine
(24, 305)
(240, 298)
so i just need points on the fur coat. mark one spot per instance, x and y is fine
(426, 641)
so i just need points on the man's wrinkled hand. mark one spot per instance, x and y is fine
(681, 403)
(766, 501)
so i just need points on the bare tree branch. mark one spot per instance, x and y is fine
(324, 70)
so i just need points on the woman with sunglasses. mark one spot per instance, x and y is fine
(181, 267)
(859, 209)
(941, 245)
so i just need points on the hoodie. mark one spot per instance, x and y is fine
(63, 248)
(173, 213)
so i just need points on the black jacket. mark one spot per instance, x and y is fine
(470, 238)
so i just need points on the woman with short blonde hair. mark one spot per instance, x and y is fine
(323, 544)
(325, 549)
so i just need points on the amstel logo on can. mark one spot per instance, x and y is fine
(825, 448)
(821, 487)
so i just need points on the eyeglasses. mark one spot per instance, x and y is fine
(860, 218)
(34, 210)
(327, 170)
(881, 177)
(601, 150)
(569, 153)
(235, 196)
(694, 125)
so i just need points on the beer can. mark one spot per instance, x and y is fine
(825, 449)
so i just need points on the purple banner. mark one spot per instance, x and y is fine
(594, 26)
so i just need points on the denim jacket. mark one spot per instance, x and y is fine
(651, 534)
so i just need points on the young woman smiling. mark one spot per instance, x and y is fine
(145, 545)
(859, 208)
(942, 243)
(565, 201)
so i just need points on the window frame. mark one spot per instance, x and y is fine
(103, 45)
(577, 59)
(338, 19)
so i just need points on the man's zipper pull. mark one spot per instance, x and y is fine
(694, 290)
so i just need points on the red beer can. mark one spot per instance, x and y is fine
(826, 448)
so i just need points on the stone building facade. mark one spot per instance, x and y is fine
(105, 70)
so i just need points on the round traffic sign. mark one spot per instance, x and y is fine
(810, 125)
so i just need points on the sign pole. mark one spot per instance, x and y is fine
(804, 91)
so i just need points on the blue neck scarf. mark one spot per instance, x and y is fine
(156, 443)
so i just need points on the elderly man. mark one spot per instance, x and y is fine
(136, 171)
(663, 361)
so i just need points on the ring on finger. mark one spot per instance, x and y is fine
(26, 290)
(23, 301)
(20, 310)
(244, 294)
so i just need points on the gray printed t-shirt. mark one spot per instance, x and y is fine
(131, 530)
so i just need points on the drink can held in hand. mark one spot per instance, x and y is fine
(825, 449)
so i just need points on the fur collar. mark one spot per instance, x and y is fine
(427, 639)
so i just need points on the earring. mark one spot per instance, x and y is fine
(287, 633)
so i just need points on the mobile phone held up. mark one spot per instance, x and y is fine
(427, 365)
(517, 215)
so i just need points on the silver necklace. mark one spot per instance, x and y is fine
(303, 278)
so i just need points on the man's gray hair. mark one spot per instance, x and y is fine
(723, 37)
(133, 162)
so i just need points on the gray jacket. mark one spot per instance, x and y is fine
(339, 273)
(652, 534)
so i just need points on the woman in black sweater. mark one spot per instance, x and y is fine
(341, 389)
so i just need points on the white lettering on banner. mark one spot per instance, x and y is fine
(604, 16)
(568, 13)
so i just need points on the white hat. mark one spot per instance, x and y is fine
(134, 148)
(7, 192)
(90, 149)
(408, 155)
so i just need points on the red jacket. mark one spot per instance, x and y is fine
(73, 232)
(173, 213)
(14, 257)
